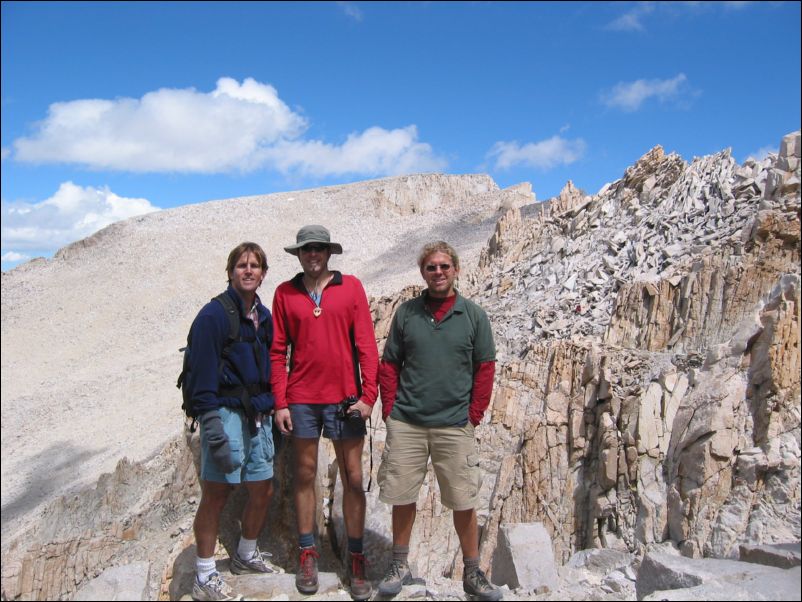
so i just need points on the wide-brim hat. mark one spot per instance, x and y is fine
(313, 234)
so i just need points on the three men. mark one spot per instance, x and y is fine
(436, 378)
(323, 320)
(230, 397)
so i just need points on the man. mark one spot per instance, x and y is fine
(228, 380)
(323, 317)
(435, 379)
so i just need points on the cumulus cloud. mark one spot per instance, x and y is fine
(544, 155)
(165, 131)
(236, 127)
(629, 96)
(374, 151)
(13, 256)
(72, 213)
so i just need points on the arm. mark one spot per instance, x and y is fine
(204, 360)
(365, 340)
(389, 375)
(481, 392)
(278, 352)
(278, 364)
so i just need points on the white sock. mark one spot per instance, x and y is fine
(204, 568)
(246, 548)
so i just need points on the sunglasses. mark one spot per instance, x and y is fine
(444, 267)
(314, 248)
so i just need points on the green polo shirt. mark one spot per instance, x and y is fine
(437, 360)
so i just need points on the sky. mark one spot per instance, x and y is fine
(115, 109)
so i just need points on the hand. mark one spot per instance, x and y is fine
(364, 409)
(263, 402)
(216, 438)
(283, 421)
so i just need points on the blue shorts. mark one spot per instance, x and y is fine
(255, 453)
(309, 418)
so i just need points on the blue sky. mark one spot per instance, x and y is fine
(112, 109)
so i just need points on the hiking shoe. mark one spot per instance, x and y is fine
(397, 577)
(306, 577)
(360, 587)
(476, 584)
(260, 563)
(214, 589)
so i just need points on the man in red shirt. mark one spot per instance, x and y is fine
(322, 318)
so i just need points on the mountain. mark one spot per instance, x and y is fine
(647, 384)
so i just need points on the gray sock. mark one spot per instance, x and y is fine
(400, 553)
(471, 564)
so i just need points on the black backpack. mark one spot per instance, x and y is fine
(244, 393)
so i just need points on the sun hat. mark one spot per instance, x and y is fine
(313, 234)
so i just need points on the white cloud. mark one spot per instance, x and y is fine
(635, 19)
(165, 131)
(632, 20)
(15, 257)
(352, 10)
(236, 127)
(542, 155)
(762, 153)
(629, 96)
(72, 213)
(375, 151)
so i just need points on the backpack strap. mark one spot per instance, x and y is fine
(233, 315)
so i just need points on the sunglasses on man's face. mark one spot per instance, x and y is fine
(314, 248)
(432, 267)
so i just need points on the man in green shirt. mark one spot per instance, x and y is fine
(435, 379)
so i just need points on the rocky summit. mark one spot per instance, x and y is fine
(643, 440)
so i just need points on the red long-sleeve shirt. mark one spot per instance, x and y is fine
(323, 357)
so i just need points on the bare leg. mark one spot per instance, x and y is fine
(468, 532)
(305, 452)
(255, 512)
(349, 460)
(207, 518)
(403, 521)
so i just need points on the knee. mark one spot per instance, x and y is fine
(353, 483)
(305, 476)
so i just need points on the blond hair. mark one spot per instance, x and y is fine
(438, 246)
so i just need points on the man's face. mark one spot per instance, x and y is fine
(247, 274)
(314, 258)
(439, 273)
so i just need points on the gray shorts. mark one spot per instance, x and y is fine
(255, 453)
(308, 419)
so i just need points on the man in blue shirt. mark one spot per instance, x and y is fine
(230, 397)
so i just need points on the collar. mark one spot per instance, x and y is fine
(298, 280)
(459, 302)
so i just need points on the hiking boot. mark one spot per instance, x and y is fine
(214, 589)
(397, 577)
(306, 577)
(260, 563)
(360, 587)
(474, 583)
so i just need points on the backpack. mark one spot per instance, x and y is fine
(232, 312)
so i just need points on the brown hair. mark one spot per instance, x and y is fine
(438, 246)
(245, 247)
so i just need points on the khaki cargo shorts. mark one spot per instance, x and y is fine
(407, 450)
